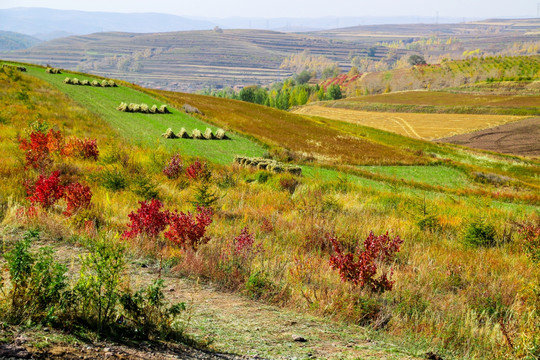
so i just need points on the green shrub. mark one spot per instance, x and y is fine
(260, 286)
(480, 233)
(113, 180)
(144, 187)
(148, 312)
(37, 281)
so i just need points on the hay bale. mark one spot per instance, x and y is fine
(112, 83)
(169, 134)
(262, 165)
(67, 81)
(188, 109)
(21, 68)
(220, 134)
(123, 107)
(75, 81)
(196, 134)
(95, 83)
(295, 170)
(131, 107)
(144, 108)
(163, 109)
(277, 169)
(85, 82)
(51, 70)
(208, 134)
(105, 83)
(183, 134)
(136, 108)
(153, 109)
(48, 70)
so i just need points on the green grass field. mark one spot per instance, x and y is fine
(147, 128)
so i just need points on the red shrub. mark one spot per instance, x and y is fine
(82, 148)
(37, 150)
(77, 197)
(361, 271)
(198, 171)
(243, 243)
(149, 220)
(46, 191)
(174, 167)
(188, 231)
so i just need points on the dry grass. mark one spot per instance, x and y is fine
(291, 131)
(420, 126)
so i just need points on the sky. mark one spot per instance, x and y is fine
(298, 8)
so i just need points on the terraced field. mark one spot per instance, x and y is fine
(191, 60)
(420, 126)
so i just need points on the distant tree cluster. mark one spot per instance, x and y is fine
(283, 95)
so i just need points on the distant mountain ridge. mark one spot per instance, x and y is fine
(15, 41)
(45, 21)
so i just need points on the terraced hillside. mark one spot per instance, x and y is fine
(187, 61)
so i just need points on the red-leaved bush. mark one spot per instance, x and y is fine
(82, 148)
(360, 268)
(77, 197)
(46, 191)
(148, 220)
(39, 147)
(198, 171)
(187, 230)
(243, 243)
(174, 168)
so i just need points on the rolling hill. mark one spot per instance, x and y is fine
(188, 61)
(15, 41)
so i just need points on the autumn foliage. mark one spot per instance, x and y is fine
(188, 230)
(39, 146)
(77, 197)
(46, 191)
(198, 171)
(361, 268)
(149, 220)
(82, 148)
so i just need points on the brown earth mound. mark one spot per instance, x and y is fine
(517, 138)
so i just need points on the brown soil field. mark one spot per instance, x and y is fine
(420, 126)
(518, 138)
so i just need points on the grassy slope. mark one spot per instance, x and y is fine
(147, 128)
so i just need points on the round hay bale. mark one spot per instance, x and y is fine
(188, 109)
(75, 81)
(67, 81)
(163, 109)
(112, 83)
(220, 134)
(169, 134)
(208, 134)
(144, 108)
(122, 107)
(196, 134)
(153, 109)
(105, 83)
(85, 82)
(295, 170)
(183, 134)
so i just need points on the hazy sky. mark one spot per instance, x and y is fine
(298, 8)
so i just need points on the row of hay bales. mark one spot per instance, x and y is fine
(143, 108)
(19, 68)
(104, 83)
(196, 134)
(51, 70)
(267, 164)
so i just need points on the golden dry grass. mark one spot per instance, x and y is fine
(420, 126)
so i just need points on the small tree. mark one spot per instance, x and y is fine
(334, 92)
(417, 60)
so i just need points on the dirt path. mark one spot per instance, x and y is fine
(230, 323)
